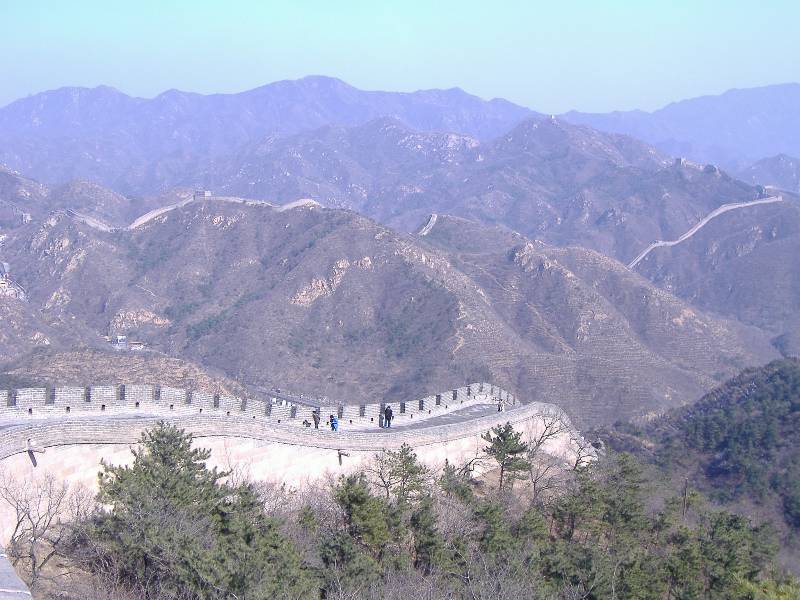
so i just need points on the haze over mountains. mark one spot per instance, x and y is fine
(137, 146)
(519, 276)
(733, 129)
(548, 179)
(781, 171)
(134, 144)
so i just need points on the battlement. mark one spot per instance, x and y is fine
(49, 433)
(61, 415)
(47, 402)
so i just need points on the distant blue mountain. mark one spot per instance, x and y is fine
(139, 146)
(732, 129)
(130, 143)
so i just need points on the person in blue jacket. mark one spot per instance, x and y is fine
(334, 420)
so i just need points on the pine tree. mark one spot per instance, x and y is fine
(401, 475)
(507, 448)
(174, 529)
(366, 515)
(428, 544)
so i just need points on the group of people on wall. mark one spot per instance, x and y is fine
(333, 421)
(385, 420)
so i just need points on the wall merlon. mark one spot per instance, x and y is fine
(143, 394)
(173, 396)
(230, 404)
(102, 395)
(68, 396)
(202, 401)
(29, 398)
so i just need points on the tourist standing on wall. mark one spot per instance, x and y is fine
(387, 415)
(315, 418)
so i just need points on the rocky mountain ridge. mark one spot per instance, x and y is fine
(546, 178)
(332, 303)
(741, 265)
(781, 171)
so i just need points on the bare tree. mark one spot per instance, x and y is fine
(38, 506)
(584, 454)
(382, 472)
(279, 500)
(546, 471)
(547, 477)
(552, 427)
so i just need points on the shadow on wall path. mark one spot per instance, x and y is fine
(457, 416)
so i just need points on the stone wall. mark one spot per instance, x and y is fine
(11, 586)
(36, 435)
(34, 405)
(40, 436)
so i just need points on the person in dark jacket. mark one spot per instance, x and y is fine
(387, 416)
(315, 418)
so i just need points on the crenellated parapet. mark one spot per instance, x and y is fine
(47, 402)
(47, 416)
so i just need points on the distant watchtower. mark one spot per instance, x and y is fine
(202, 194)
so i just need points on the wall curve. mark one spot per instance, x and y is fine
(266, 442)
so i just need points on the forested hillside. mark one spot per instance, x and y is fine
(740, 445)
(168, 527)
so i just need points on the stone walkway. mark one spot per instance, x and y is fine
(85, 417)
(457, 416)
(400, 424)
(11, 586)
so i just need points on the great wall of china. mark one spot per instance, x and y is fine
(67, 431)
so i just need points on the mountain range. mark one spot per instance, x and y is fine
(133, 144)
(141, 146)
(332, 303)
(371, 245)
(546, 178)
(731, 129)
(781, 171)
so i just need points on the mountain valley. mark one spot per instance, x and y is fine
(324, 300)
(518, 276)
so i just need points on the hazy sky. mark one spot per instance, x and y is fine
(551, 56)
